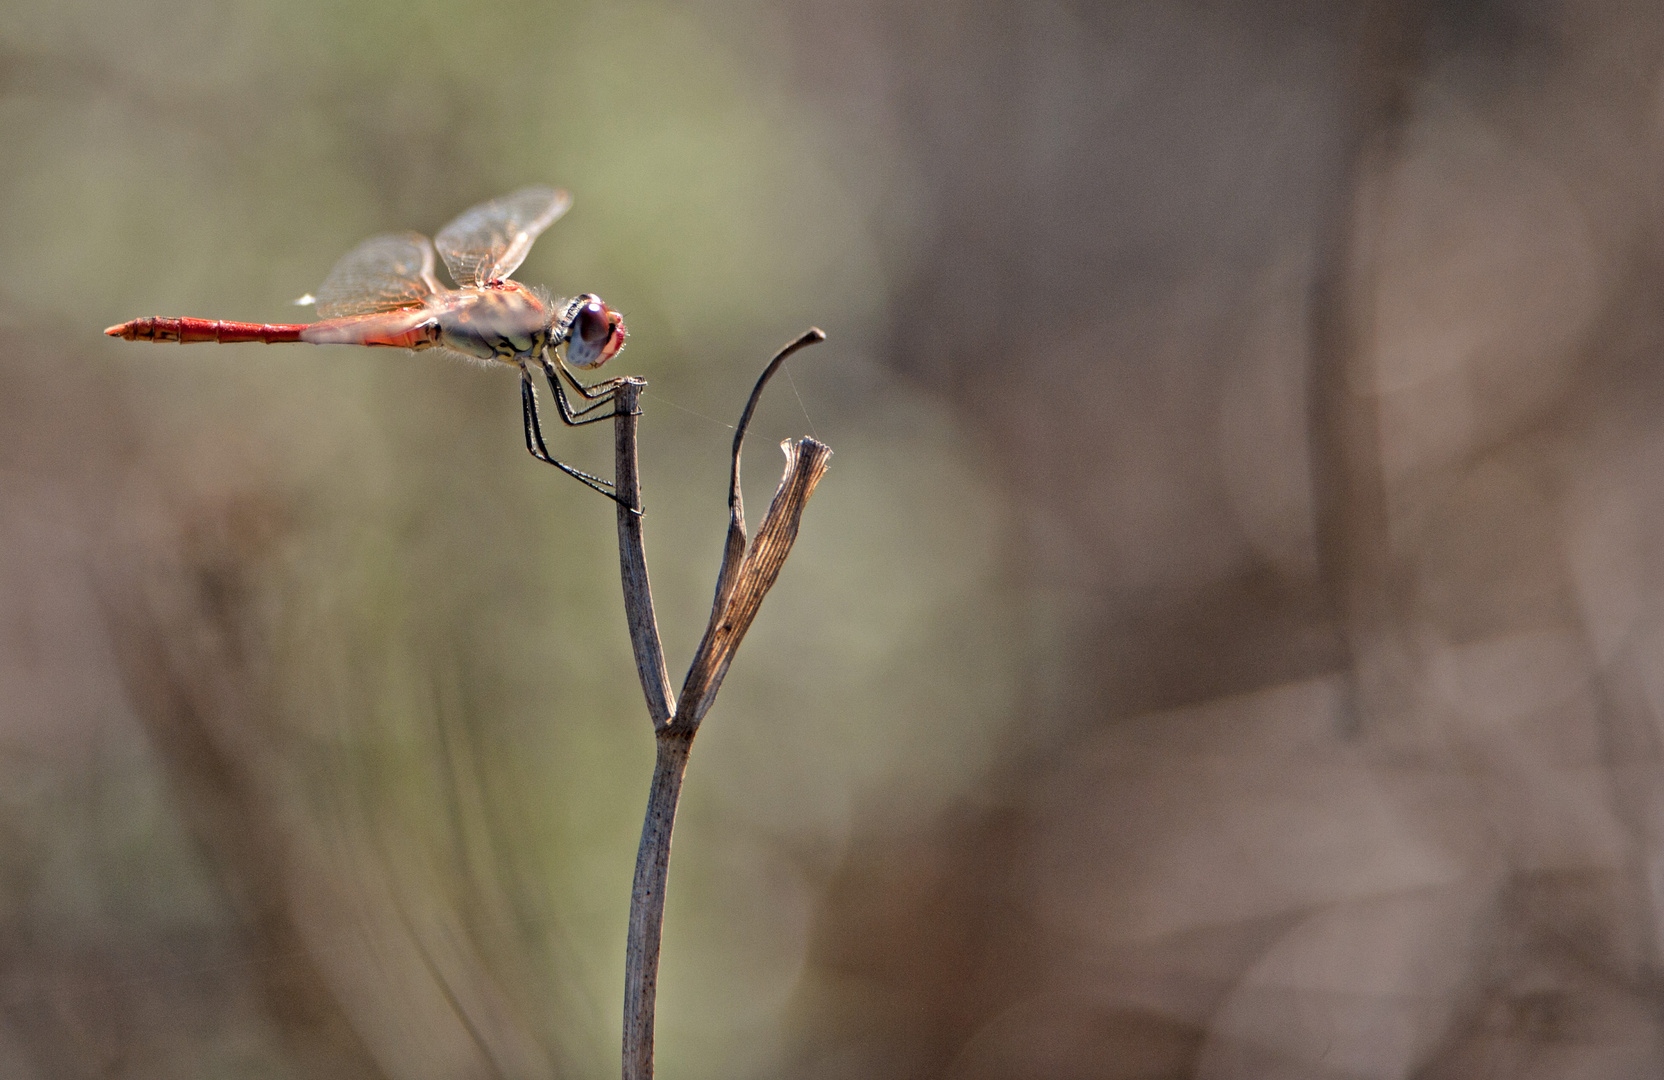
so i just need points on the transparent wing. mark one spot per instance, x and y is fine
(383, 273)
(489, 242)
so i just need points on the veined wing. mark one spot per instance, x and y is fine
(384, 273)
(489, 242)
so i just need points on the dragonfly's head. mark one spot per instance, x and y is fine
(593, 332)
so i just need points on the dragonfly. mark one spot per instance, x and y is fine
(384, 293)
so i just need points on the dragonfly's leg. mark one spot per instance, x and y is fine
(549, 365)
(571, 416)
(581, 416)
(595, 391)
(528, 412)
(534, 434)
(536, 447)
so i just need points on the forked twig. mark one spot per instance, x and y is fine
(745, 578)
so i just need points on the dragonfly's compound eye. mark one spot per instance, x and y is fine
(594, 333)
(591, 323)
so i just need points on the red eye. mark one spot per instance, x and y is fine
(591, 323)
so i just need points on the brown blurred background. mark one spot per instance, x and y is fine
(1228, 643)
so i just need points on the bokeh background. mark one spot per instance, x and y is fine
(1229, 642)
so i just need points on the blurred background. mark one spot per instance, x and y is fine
(1229, 641)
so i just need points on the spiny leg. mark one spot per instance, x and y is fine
(567, 415)
(540, 450)
(594, 391)
(536, 447)
(574, 417)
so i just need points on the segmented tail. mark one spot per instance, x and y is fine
(186, 331)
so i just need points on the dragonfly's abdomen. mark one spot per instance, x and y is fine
(186, 331)
(502, 323)
(410, 328)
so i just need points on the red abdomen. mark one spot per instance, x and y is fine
(186, 331)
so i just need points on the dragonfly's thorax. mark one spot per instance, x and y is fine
(506, 322)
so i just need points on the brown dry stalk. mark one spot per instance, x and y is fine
(746, 575)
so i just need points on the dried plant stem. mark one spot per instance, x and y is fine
(632, 557)
(744, 579)
(641, 954)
